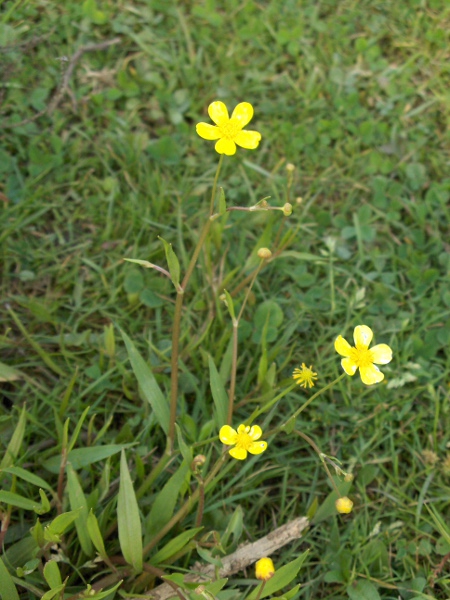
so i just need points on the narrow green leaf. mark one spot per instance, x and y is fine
(83, 457)
(67, 394)
(143, 263)
(363, 590)
(8, 590)
(441, 526)
(222, 202)
(54, 531)
(172, 261)
(150, 388)
(219, 394)
(45, 504)
(185, 450)
(77, 430)
(95, 534)
(14, 499)
(52, 574)
(27, 476)
(54, 592)
(8, 373)
(174, 546)
(282, 578)
(230, 305)
(165, 502)
(89, 592)
(78, 501)
(38, 349)
(13, 449)
(128, 519)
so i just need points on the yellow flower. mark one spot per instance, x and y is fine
(244, 440)
(304, 376)
(264, 569)
(361, 357)
(229, 132)
(344, 505)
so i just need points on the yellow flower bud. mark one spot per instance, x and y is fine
(287, 209)
(349, 477)
(344, 505)
(299, 199)
(290, 167)
(264, 253)
(264, 569)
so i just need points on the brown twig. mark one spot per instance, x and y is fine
(63, 87)
(239, 560)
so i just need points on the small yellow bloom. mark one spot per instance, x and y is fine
(344, 505)
(361, 357)
(229, 131)
(304, 376)
(244, 440)
(264, 569)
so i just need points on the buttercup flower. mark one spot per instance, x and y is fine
(304, 376)
(264, 569)
(243, 440)
(361, 357)
(344, 505)
(229, 132)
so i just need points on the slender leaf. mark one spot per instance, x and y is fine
(282, 578)
(27, 476)
(52, 574)
(150, 389)
(54, 531)
(13, 449)
(95, 534)
(165, 502)
(77, 430)
(172, 261)
(174, 546)
(128, 519)
(83, 457)
(78, 501)
(8, 590)
(14, 499)
(219, 394)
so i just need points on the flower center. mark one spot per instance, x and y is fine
(230, 129)
(243, 440)
(362, 357)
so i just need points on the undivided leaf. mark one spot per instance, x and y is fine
(15, 442)
(219, 394)
(128, 518)
(54, 531)
(363, 590)
(78, 501)
(8, 589)
(83, 457)
(174, 546)
(172, 261)
(165, 502)
(95, 534)
(150, 388)
(282, 578)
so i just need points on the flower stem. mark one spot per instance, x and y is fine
(231, 391)
(260, 591)
(316, 448)
(178, 312)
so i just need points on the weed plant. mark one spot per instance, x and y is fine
(126, 386)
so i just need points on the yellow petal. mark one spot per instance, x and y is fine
(248, 139)
(255, 432)
(218, 113)
(243, 113)
(208, 132)
(381, 354)
(243, 429)
(257, 447)
(342, 347)
(371, 374)
(238, 453)
(349, 366)
(227, 147)
(227, 435)
(363, 336)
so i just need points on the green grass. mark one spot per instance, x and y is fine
(355, 95)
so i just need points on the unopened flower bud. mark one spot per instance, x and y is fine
(287, 209)
(264, 569)
(290, 167)
(348, 477)
(344, 505)
(264, 253)
(299, 199)
(198, 461)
